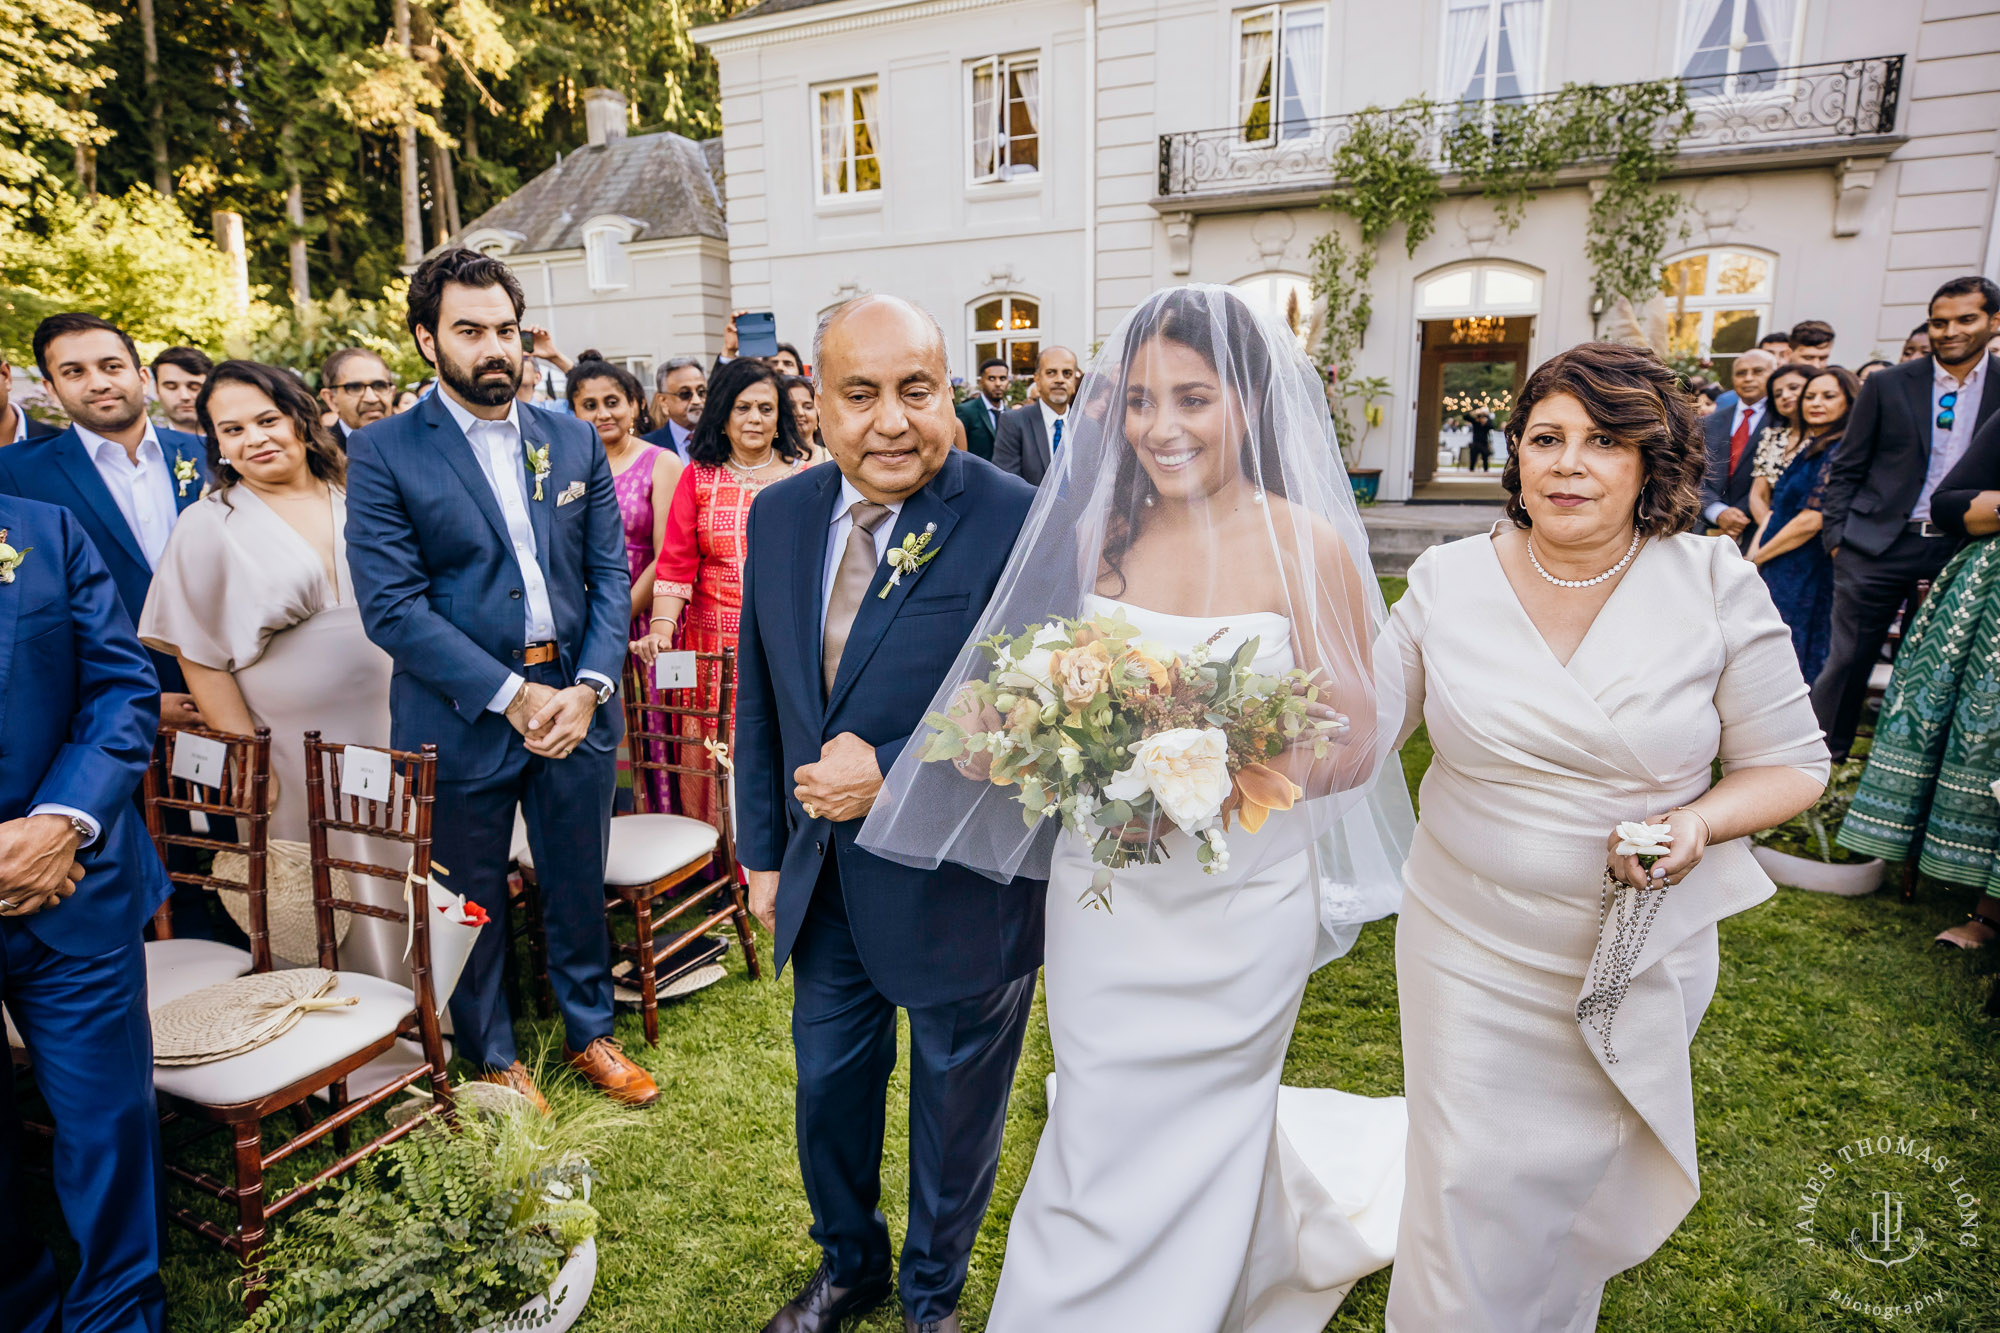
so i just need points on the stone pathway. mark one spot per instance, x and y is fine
(1399, 533)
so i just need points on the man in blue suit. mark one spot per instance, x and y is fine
(78, 879)
(489, 561)
(833, 678)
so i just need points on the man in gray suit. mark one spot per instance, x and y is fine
(1028, 437)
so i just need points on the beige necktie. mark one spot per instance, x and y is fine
(850, 585)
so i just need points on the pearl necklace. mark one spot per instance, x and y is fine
(1630, 551)
(750, 473)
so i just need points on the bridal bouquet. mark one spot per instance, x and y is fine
(1126, 740)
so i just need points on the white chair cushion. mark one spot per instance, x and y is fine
(649, 847)
(180, 967)
(320, 1040)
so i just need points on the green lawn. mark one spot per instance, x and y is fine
(1834, 1019)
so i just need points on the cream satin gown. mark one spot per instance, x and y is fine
(1537, 1168)
(1177, 1188)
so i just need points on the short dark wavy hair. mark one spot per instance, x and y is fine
(465, 267)
(710, 441)
(1634, 398)
(323, 457)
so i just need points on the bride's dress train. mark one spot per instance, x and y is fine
(1177, 1188)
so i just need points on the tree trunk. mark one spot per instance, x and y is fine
(156, 109)
(413, 213)
(86, 159)
(295, 209)
(444, 192)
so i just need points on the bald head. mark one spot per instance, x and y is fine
(881, 313)
(1751, 373)
(885, 408)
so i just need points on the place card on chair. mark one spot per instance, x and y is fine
(366, 773)
(674, 671)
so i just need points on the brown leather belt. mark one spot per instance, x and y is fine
(538, 653)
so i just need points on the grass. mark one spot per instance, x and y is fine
(1834, 1020)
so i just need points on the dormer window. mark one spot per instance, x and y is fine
(605, 262)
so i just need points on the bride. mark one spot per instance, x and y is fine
(1200, 496)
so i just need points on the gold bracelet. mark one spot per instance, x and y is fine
(1707, 834)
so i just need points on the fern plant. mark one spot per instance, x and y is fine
(450, 1229)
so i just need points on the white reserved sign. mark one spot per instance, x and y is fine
(199, 759)
(366, 773)
(674, 671)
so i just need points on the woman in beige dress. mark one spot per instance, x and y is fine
(1580, 668)
(252, 595)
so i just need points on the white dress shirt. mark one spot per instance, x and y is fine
(1948, 446)
(503, 458)
(20, 424)
(1049, 419)
(836, 540)
(1742, 412)
(142, 488)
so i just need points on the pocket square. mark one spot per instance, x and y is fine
(573, 491)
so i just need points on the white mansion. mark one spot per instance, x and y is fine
(1030, 169)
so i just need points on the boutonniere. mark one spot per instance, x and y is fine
(184, 473)
(911, 556)
(538, 463)
(10, 559)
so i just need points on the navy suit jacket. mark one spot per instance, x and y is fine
(1719, 484)
(440, 588)
(925, 936)
(57, 470)
(79, 706)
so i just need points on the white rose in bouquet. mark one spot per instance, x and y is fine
(1636, 839)
(1187, 771)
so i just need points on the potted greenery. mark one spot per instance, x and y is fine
(1802, 852)
(481, 1224)
(1367, 481)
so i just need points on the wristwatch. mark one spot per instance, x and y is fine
(84, 832)
(604, 691)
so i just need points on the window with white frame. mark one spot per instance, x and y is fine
(1718, 302)
(849, 140)
(1006, 118)
(1009, 327)
(1280, 55)
(1284, 297)
(1492, 49)
(604, 260)
(1729, 46)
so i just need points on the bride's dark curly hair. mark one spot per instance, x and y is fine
(1187, 317)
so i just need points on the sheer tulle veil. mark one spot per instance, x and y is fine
(1199, 477)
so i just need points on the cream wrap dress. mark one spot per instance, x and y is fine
(1536, 1169)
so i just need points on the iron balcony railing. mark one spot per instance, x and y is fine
(1750, 111)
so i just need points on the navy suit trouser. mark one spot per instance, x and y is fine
(962, 1059)
(567, 806)
(89, 1034)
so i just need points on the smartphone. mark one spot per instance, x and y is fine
(528, 342)
(756, 334)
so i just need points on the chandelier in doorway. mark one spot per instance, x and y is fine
(1479, 329)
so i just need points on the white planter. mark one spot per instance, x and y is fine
(565, 1300)
(1802, 872)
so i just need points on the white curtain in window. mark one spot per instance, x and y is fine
(1464, 42)
(1697, 16)
(1523, 19)
(833, 142)
(1778, 18)
(1029, 79)
(985, 120)
(865, 97)
(1257, 41)
(1304, 54)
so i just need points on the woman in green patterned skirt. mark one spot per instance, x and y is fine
(1932, 772)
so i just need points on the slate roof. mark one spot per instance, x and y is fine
(670, 184)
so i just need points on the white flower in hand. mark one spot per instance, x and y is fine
(1187, 771)
(1637, 839)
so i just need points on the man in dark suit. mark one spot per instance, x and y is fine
(1026, 440)
(357, 385)
(833, 680)
(1910, 424)
(1731, 435)
(679, 392)
(489, 561)
(15, 423)
(78, 879)
(980, 414)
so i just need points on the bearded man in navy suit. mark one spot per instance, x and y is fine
(835, 668)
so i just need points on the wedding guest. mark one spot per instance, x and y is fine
(15, 423)
(787, 361)
(1778, 344)
(178, 374)
(1725, 490)
(1867, 368)
(805, 410)
(643, 475)
(1916, 345)
(1538, 1165)
(1910, 427)
(679, 390)
(745, 441)
(1479, 453)
(253, 599)
(406, 399)
(1937, 718)
(1796, 568)
(78, 880)
(1780, 438)
(357, 385)
(1026, 440)
(1811, 343)
(1705, 399)
(980, 414)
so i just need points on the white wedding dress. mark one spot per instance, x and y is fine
(1177, 1188)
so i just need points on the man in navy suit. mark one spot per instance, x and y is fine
(832, 680)
(78, 879)
(489, 561)
(1731, 436)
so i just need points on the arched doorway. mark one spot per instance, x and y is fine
(1475, 331)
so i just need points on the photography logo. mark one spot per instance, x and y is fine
(1880, 1222)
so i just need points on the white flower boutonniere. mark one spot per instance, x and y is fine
(911, 556)
(538, 463)
(10, 559)
(185, 474)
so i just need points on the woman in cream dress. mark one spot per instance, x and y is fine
(252, 595)
(1579, 668)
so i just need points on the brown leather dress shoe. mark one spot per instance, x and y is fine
(612, 1073)
(948, 1324)
(823, 1307)
(516, 1076)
